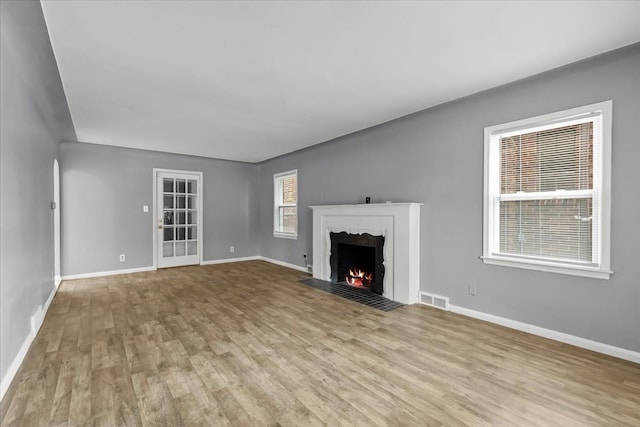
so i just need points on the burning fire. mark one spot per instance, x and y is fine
(359, 278)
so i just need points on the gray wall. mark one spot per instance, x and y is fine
(436, 157)
(104, 189)
(35, 118)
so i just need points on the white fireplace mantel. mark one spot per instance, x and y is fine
(399, 223)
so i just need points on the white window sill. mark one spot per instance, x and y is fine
(285, 235)
(551, 267)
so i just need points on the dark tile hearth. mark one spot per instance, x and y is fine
(363, 296)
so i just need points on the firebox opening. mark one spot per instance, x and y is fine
(357, 260)
(356, 265)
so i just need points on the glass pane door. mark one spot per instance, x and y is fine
(178, 223)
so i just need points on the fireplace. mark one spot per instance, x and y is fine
(357, 260)
(398, 251)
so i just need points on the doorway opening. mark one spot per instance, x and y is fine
(55, 206)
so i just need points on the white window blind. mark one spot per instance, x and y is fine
(546, 193)
(544, 190)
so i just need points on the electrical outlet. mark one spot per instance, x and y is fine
(472, 289)
(122, 257)
(145, 208)
(232, 248)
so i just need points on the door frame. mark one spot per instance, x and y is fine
(56, 223)
(154, 220)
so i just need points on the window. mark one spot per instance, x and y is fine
(285, 215)
(547, 192)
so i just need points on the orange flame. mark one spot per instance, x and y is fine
(359, 278)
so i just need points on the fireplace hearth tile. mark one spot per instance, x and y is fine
(362, 296)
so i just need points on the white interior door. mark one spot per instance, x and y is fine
(178, 218)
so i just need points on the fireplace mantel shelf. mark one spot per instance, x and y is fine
(398, 222)
(365, 206)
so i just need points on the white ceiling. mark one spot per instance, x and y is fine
(253, 80)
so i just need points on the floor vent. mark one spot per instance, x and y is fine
(434, 301)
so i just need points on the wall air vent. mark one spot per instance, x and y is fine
(436, 301)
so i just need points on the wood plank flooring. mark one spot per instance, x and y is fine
(245, 344)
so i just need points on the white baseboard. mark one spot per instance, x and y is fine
(150, 268)
(24, 348)
(107, 273)
(226, 260)
(57, 281)
(15, 365)
(210, 262)
(47, 304)
(285, 264)
(621, 353)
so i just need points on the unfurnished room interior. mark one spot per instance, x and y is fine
(300, 213)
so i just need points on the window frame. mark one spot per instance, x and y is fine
(601, 198)
(278, 179)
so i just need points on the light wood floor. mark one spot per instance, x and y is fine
(245, 344)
